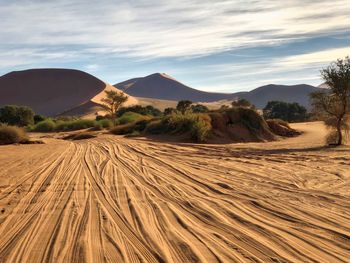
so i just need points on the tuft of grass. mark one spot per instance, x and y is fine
(12, 134)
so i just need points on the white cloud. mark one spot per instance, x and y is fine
(37, 32)
(166, 28)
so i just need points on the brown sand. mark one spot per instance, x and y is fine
(122, 200)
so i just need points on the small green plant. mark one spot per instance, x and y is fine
(129, 117)
(74, 125)
(12, 134)
(105, 123)
(17, 115)
(44, 126)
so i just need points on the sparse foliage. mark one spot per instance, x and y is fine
(16, 115)
(199, 108)
(169, 111)
(113, 101)
(290, 112)
(242, 103)
(183, 105)
(333, 104)
(148, 110)
(12, 134)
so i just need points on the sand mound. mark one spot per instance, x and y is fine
(53, 92)
(90, 109)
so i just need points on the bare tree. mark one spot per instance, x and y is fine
(113, 101)
(333, 104)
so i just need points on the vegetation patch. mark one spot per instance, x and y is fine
(12, 134)
(130, 117)
(281, 128)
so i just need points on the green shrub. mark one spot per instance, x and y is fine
(12, 134)
(16, 115)
(74, 125)
(129, 117)
(148, 110)
(248, 117)
(201, 128)
(44, 126)
(106, 123)
(197, 125)
(38, 118)
(199, 108)
(291, 112)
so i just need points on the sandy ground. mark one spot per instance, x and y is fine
(113, 199)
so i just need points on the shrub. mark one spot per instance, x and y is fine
(242, 103)
(198, 125)
(12, 134)
(129, 128)
(291, 112)
(183, 105)
(281, 128)
(148, 110)
(156, 127)
(105, 123)
(129, 117)
(248, 117)
(17, 115)
(199, 108)
(38, 118)
(74, 125)
(201, 128)
(168, 111)
(44, 126)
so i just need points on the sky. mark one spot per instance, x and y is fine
(211, 45)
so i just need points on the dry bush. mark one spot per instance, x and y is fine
(12, 134)
(331, 124)
(281, 128)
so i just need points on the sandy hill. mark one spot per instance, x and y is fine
(164, 87)
(53, 92)
(294, 93)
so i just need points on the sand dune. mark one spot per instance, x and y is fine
(112, 199)
(53, 92)
(161, 86)
(91, 108)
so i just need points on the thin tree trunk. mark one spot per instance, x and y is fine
(340, 135)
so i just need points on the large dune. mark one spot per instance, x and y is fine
(53, 92)
(164, 87)
(112, 199)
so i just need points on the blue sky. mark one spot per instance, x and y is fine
(221, 45)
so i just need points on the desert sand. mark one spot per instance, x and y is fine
(114, 199)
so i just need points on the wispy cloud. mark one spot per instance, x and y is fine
(38, 32)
